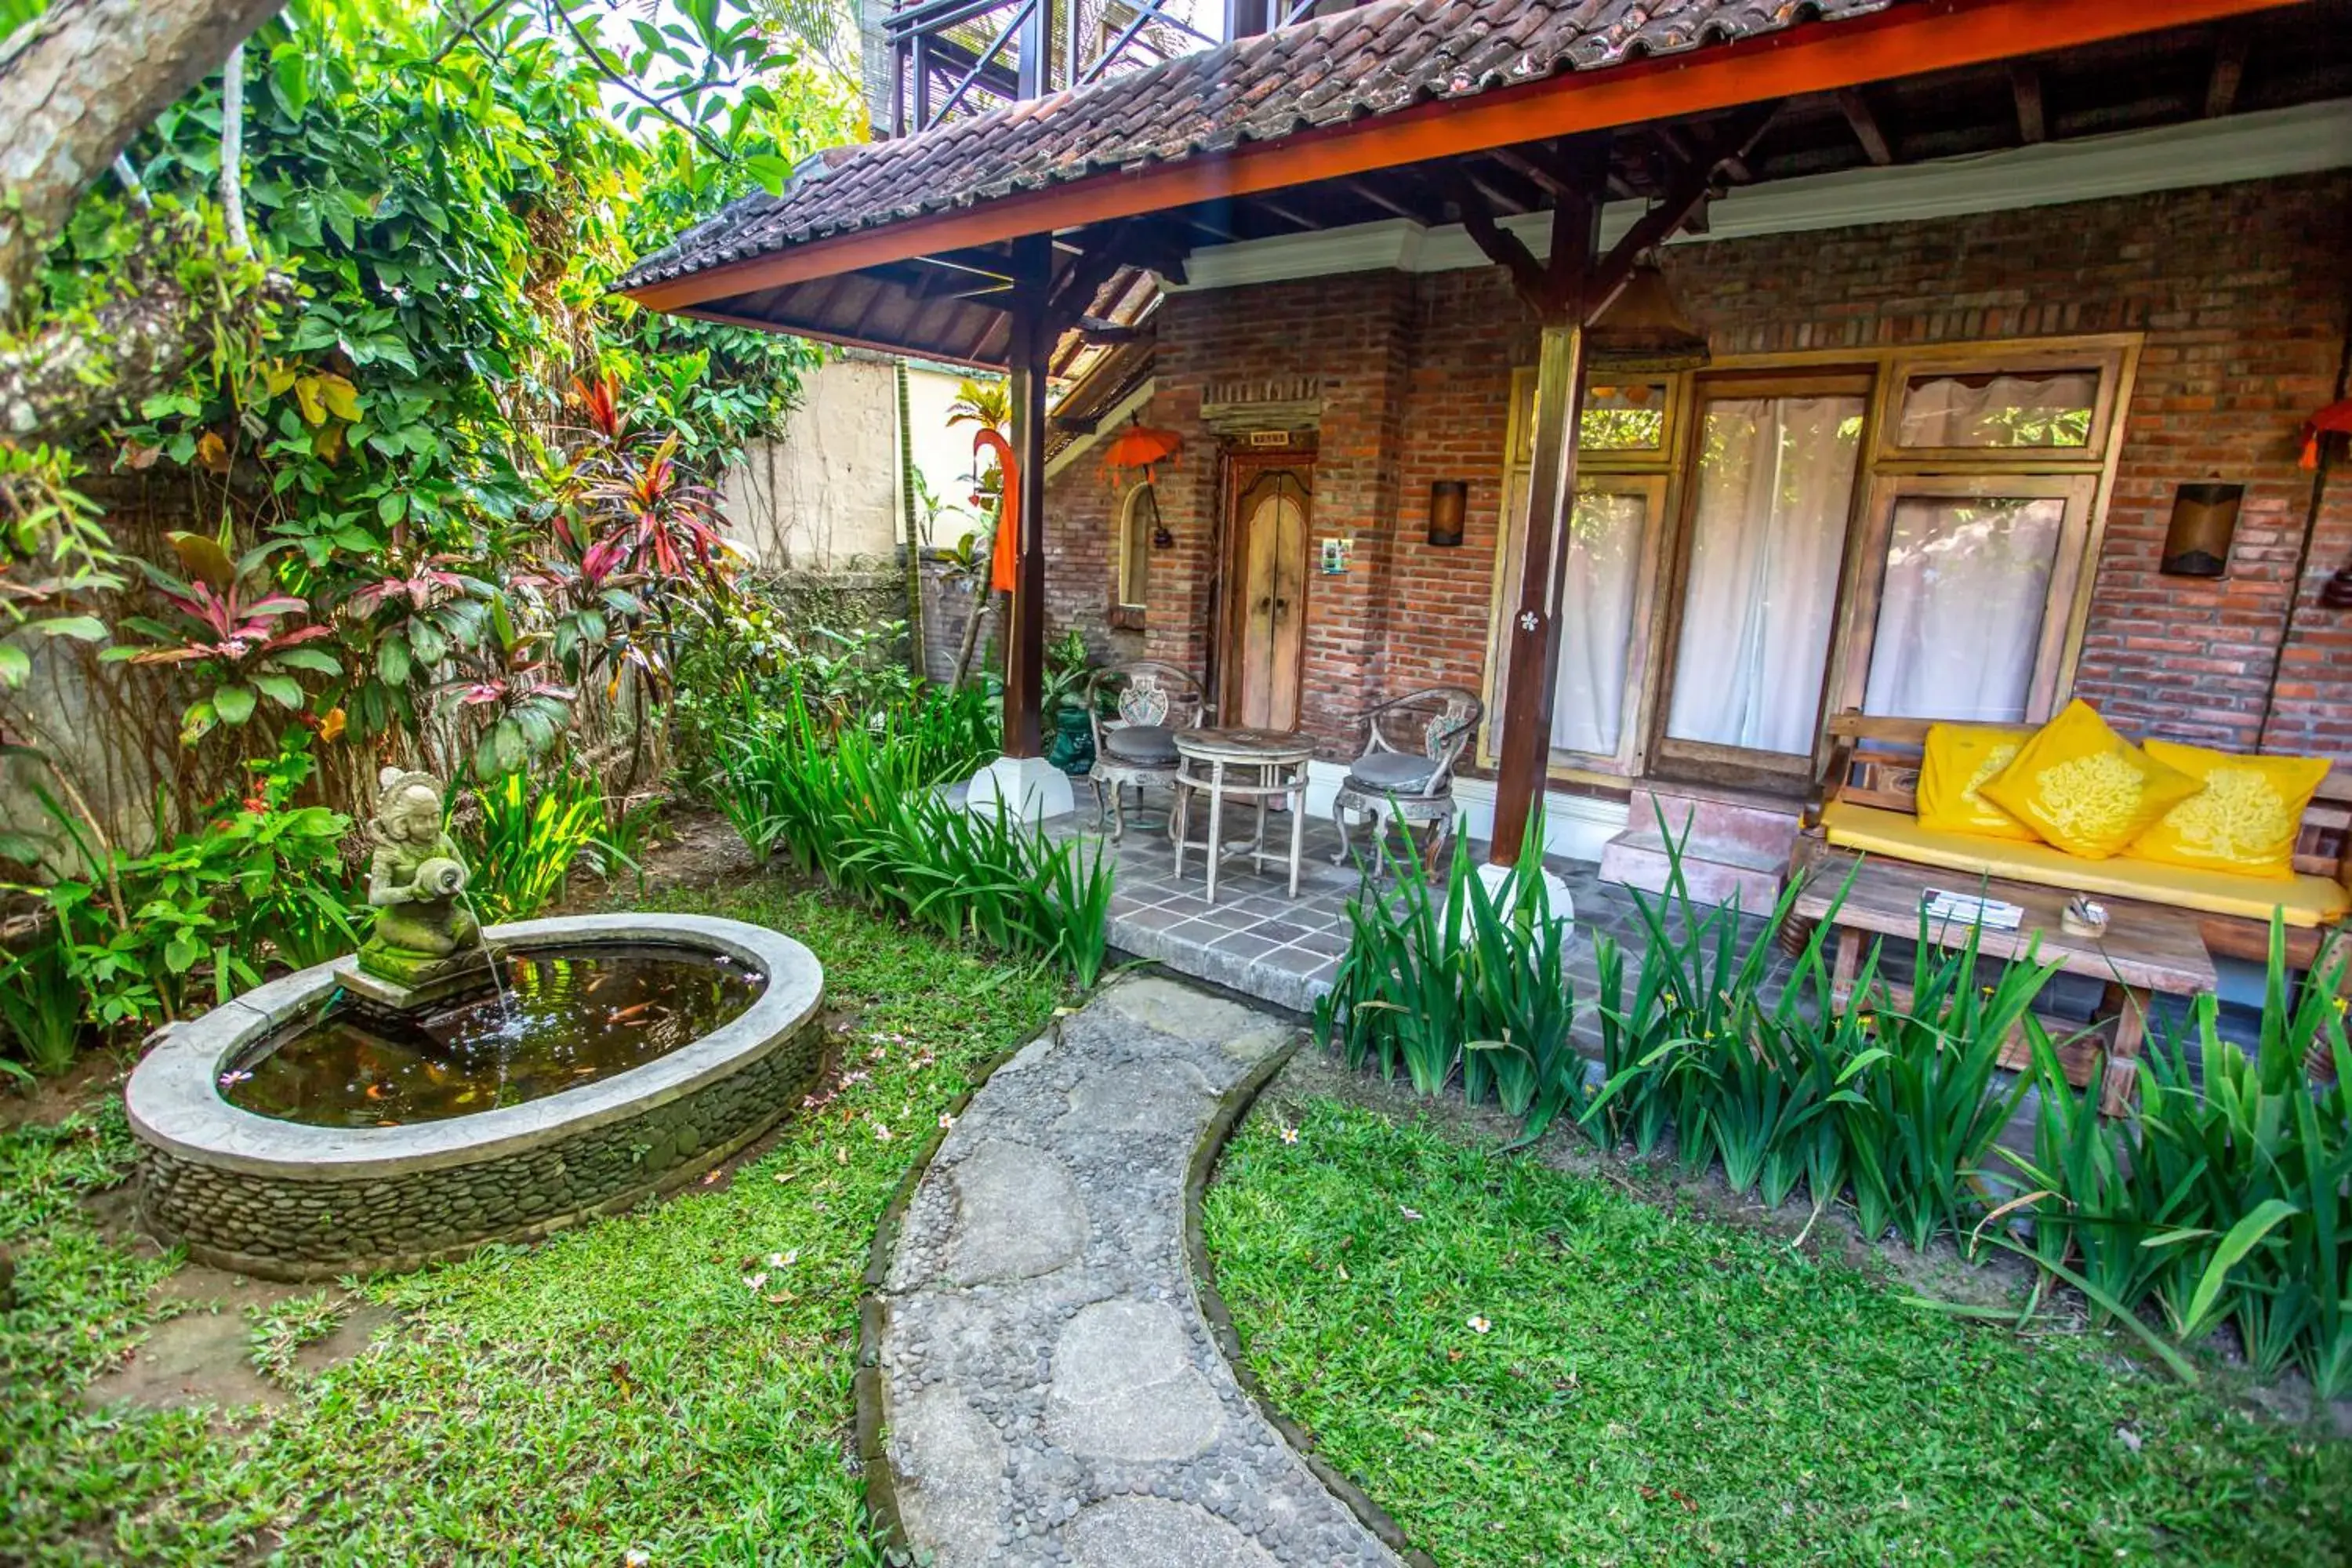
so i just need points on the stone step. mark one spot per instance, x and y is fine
(1714, 873)
(1716, 820)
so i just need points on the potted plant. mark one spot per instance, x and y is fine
(1068, 667)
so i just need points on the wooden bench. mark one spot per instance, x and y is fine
(2151, 947)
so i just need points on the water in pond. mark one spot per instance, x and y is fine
(568, 1017)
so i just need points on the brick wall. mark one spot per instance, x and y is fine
(2238, 289)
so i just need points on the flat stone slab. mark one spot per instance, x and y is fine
(1127, 1532)
(1052, 1393)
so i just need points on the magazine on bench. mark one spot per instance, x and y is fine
(1943, 906)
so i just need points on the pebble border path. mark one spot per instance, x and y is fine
(1050, 1389)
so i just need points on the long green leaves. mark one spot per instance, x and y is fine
(527, 840)
(860, 804)
(1474, 982)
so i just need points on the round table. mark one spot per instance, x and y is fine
(1246, 765)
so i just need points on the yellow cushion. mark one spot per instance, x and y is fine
(1958, 760)
(2085, 788)
(2304, 901)
(2245, 819)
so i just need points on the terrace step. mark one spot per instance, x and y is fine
(1733, 847)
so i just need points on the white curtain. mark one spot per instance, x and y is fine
(1596, 624)
(1960, 616)
(1776, 481)
(2052, 410)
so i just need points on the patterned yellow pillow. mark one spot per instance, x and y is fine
(2246, 817)
(1958, 759)
(2085, 788)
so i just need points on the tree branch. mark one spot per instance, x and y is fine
(622, 80)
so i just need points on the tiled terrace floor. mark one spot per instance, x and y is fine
(1255, 938)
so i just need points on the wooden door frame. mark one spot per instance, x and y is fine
(1241, 471)
(1699, 761)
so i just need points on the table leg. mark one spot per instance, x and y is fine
(1180, 812)
(2129, 1005)
(1298, 799)
(1257, 843)
(1216, 822)
(1847, 964)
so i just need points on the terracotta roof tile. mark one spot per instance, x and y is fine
(1377, 60)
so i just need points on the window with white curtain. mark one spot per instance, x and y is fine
(1966, 587)
(1775, 485)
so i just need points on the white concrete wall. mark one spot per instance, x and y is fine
(825, 493)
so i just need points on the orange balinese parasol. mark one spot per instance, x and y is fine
(1004, 558)
(1140, 446)
(2336, 417)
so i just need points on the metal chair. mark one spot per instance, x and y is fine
(1138, 745)
(1406, 771)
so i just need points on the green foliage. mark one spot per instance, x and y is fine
(41, 1004)
(197, 920)
(619, 1388)
(1474, 982)
(521, 849)
(1656, 1386)
(2229, 1204)
(861, 804)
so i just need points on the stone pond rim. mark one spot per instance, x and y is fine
(290, 1200)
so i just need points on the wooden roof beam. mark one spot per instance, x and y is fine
(1686, 198)
(1866, 126)
(2229, 72)
(1371, 195)
(2025, 87)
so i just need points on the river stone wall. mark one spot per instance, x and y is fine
(290, 1201)
(298, 1229)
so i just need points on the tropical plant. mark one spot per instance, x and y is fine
(522, 846)
(1473, 981)
(228, 631)
(859, 803)
(41, 1004)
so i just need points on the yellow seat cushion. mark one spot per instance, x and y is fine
(1958, 761)
(2084, 788)
(2304, 901)
(2246, 818)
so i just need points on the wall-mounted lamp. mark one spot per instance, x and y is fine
(1448, 500)
(2204, 517)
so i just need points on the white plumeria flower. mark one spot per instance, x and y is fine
(1290, 1134)
(1407, 1213)
(755, 1281)
(635, 1558)
(882, 1132)
(1479, 1325)
(782, 1259)
(946, 1122)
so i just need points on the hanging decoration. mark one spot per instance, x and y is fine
(1141, 447)
(1003, 560)
(2334, 419)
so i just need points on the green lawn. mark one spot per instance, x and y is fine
(622, 1388)
(1529, 1367)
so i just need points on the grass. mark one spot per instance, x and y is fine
(621, 1388)
(1654, 1386)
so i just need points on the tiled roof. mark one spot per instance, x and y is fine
(1377, 59)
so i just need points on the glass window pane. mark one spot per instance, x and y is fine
(2041, 409)
(1606, 536)
(1961, 612)
(1622, 416)
(1137, 521)
(1775, 483)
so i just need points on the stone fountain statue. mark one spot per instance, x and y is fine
(425, 937)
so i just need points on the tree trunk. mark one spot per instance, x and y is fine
(907, 478)
(77, 83)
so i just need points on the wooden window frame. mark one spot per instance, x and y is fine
(1123, 611)
(1856, 634)
(1651, 472)
(2106, 355)
(2001, 469)
(1709, 762)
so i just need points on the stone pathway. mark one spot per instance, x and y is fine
(1051, 1391)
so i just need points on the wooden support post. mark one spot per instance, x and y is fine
(1032, 344)
(1532, 638)
(1036, 62)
